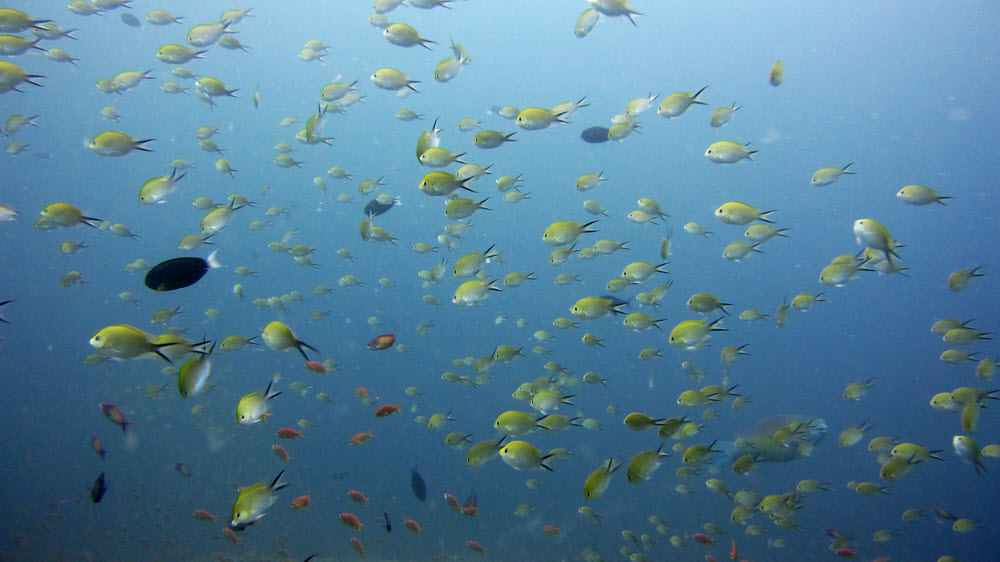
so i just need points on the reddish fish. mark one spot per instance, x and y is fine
(115, 414)
(204, 515)
(300, 502)
(230, 535)
(361, 438)
(453, 502)
(413, 526)
(550, 529)
(470, 511)
(281, 452)
(734, 554)
(475, 547)
(385, 341)
(358, 497)
(387, 410)
(703, 538)
(95, 442)
(356, 544)
(289, 433)
(361, 392)
(316, 367)
(351, 521)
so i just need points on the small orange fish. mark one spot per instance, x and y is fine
(475, 547)
(300, 502)
(95, 442)
(385, 341)
(846, 553)
(550, 529)
(362, 437)
(361, 392)
(351, 521)
(387, 410)
(204, 515)
(358, 497)
(703, 538)
(289, 433)
(453, 502)
(734, 554)
(356, 544)
(317, 367)
(115, 414)
(710, 558)
(281, 452)
(230, 535)
(413, 526)
(470, 511)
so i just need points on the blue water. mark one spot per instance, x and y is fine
(907, 92)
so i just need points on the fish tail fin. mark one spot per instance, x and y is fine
(213, 260)
(276, 484)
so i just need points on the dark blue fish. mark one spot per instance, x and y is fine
(1, 304)
(417, 484)
(178, 273)
(374, 208)
(99, 488)
(595, 135)
(388, 524)
(131, 20)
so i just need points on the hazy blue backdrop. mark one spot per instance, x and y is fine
(907, 91)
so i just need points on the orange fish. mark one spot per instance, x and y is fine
(413, 526)
(453, 502)
(300, 502)
(361, 392)
(316, 367)
(385, 341)
(351, 521)
(550, 529)
(230, 535)
(361, 438)
(387, 410)
(289, 433)
(710, 558)
(356, 544)
(846, 553)
(703, 538)
(734, 554)
(470, 511)
(358, 497)
(204, 515)
(95, 442)
(281, 452)
(115, 414)
(475, 547)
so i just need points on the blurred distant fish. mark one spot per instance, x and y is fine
(388, 523)
(183, 469)
(131, 20)
(417, 484)
(595, 135)
(1, 317)
(95, 443)
(471, 500)
(115, 414)
(99, 488)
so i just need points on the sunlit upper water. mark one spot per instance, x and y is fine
(907, 92)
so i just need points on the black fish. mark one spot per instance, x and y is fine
(595, 135)
(99, 488)
(1, 304)
(388, 524)
(178, 273)
(374, 208)
(417, 485)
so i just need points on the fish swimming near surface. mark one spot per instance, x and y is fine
(178, 273)
(417, 484)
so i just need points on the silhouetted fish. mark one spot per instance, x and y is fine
(374, 208)
(99, 488)
(417, 485)
(388, 524)
(595, 135)
(178, 273)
